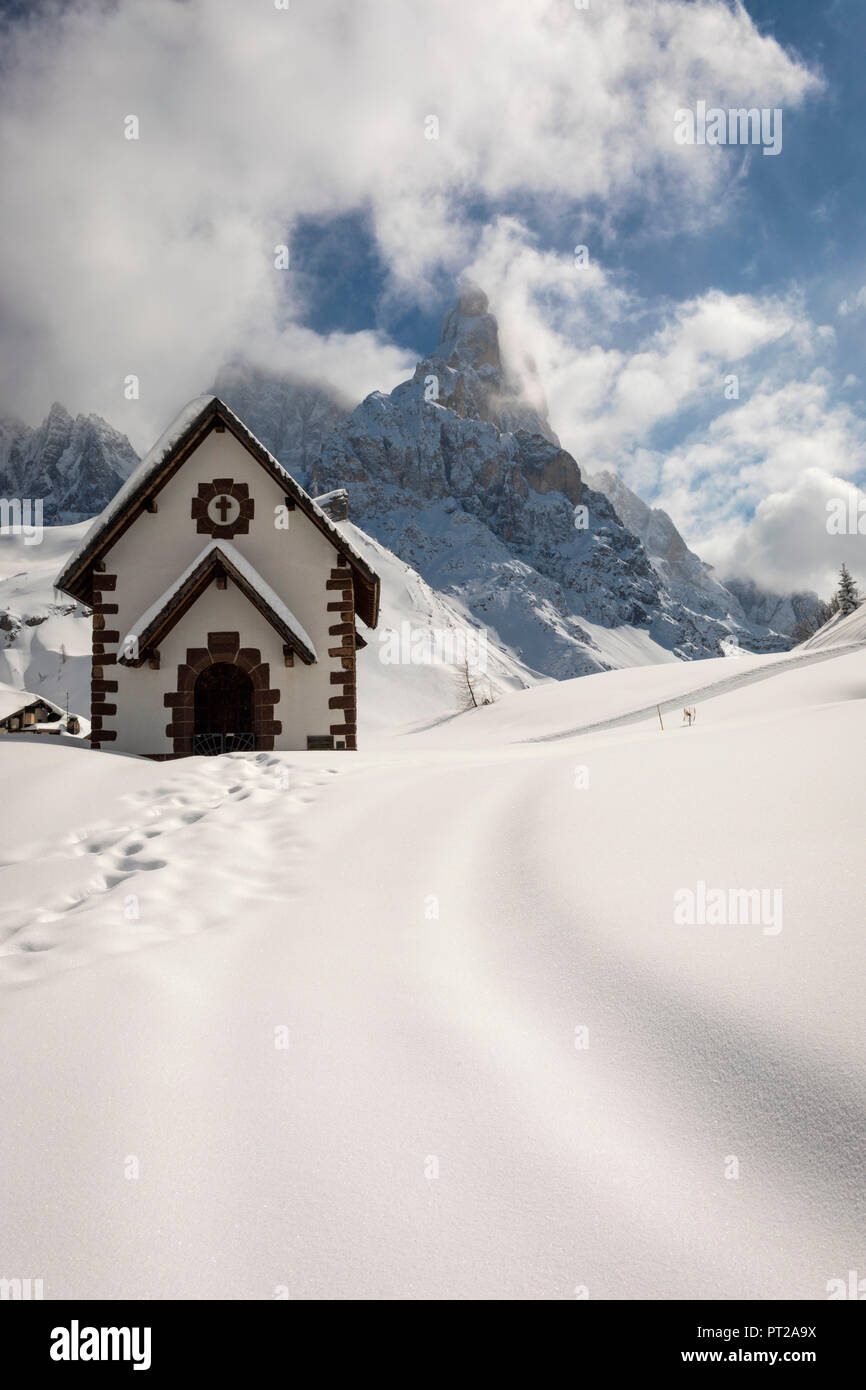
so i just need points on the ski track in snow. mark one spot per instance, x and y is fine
(148, 865)
(703, 692)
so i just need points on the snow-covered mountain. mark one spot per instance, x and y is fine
(779, 611)
(659, 535)
(459, 472)
(691, 579)
(74, 465)
(293, 417)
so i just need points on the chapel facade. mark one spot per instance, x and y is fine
(226, 603)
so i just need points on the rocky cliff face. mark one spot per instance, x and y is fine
(292, 418)
(74, 465)
(654, 529)
(466, 480)
(693, 581)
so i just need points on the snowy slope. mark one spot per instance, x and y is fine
(838, 632)
(613, 699)
(408, 694)
(430, 1128)
(44, 637)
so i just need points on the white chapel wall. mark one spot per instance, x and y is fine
(296, 563)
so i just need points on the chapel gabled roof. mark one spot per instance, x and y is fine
(169, 453)
(217, 558)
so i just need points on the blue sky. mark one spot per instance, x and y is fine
(257, 127)
(803, 217)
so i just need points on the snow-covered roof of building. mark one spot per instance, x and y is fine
(217, 557)
(188, 429)
(155, 456)
(12, 700)
(329, 496)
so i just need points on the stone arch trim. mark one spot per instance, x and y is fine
(221, 646)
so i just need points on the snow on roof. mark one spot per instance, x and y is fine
(149, 464)
(252, 577)
(156, 456)
(329, 496)
(338, 535)
(12, 700)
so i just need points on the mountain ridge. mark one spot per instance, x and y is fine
(74, 465)
(461, 475)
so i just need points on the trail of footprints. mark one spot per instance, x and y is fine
(144, 844)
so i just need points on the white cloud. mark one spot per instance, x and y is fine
(765, 443)
(853, 305)
(155, 256)
(747, 480)
(787, 545)
(604, 398)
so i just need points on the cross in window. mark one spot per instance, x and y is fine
(223, 506)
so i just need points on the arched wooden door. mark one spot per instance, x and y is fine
(223, 709)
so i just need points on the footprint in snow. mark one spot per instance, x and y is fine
(132, 866)
(99, 843)
(105, 882)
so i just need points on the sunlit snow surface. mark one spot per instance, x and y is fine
(429, 926)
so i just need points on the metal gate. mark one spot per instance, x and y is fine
(214, 744)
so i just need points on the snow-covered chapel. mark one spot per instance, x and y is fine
(224, 602)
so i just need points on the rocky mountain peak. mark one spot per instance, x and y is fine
(74, 466)
(472, 302)
(470, 337)
(469, 374)
(461, 475)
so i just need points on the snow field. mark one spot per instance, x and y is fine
(421, 1024)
